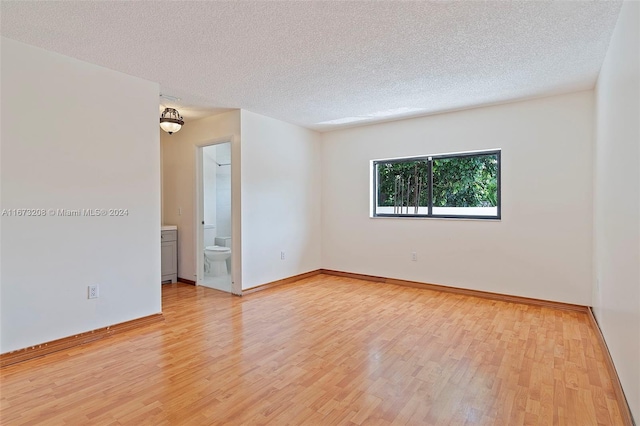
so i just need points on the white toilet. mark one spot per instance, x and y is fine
(215, 260)
(224, 242)
(217, 253)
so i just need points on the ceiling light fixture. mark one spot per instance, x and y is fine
(171, 121)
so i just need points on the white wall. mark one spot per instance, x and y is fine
(209, 172)
(59, 150)
(179, 184)
(280, 199)
(223, 191)
(542, 246)
(617, 202)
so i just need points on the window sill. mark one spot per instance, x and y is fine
(481, 219)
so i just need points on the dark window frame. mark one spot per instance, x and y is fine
(429, 159)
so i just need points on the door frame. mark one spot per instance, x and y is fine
(236, 283)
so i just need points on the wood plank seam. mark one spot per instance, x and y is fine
(39, 350)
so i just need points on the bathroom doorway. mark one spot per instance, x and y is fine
(214, 239)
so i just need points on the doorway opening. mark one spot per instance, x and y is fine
(214, 239)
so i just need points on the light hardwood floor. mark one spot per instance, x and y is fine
(325, 350)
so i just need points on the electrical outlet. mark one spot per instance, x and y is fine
(179, 211)
(93, 291)
(281, 255)
(414, 256)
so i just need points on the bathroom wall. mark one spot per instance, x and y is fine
(209, 178)
(617, 202)
(59, 152)
(281, 199)
(223, 191)
(179, 186)
(542, 246)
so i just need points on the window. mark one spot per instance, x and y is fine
(465, 185)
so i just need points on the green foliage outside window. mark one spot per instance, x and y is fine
(403, 180)
(465, 181)
(458, 181)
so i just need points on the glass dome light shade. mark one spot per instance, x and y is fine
(171, 121)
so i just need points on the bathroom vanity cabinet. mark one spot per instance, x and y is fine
(169, 254)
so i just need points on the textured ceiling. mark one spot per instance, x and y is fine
(332, 62)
